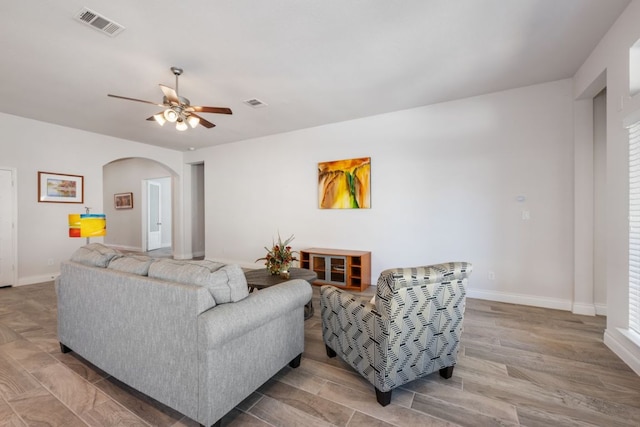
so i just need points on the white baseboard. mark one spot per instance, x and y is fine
(183, 256)
(125, 248)
(243, 264)
(536, 301)
(32, 280)
(601, 309)
(584, 309)
(625, 348)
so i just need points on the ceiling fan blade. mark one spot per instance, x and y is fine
(170, 94)
(219, 110)
(134, 99)
(203, 122)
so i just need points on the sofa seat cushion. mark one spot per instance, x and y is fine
(226, 283)
(135, 264)
(95, 255)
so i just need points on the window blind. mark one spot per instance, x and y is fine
(634, 227)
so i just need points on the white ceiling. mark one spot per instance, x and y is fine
(312, 62)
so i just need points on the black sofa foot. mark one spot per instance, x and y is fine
(217, 424)
(64, 348)
(330, 352)
(383, 397)
(446, 372)
(296, 362)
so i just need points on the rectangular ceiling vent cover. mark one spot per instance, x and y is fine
(99, 22)
(255, 103)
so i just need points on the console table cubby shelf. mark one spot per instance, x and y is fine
(343, 268)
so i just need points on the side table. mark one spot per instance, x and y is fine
(261, 278)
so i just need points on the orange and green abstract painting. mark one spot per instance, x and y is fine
(345, 184)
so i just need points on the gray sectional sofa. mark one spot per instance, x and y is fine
(186, 333)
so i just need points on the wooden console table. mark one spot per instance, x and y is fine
(343, 268)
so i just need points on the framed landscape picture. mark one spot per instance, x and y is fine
(60, 188)
(123, 200)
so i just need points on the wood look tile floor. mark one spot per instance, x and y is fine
(518, 366)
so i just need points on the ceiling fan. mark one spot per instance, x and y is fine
(177, 109)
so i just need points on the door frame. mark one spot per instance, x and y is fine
(14, 222)
(149, 183)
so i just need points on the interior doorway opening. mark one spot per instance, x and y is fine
(127, 229)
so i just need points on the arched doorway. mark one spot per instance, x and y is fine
(128, 228)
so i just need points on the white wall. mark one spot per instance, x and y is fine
(445, 182)
(31, 146)
(166, 210)
(197, 210)
(611, 56)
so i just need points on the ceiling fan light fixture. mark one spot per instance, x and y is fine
(160, 118)
(171, 115)
(193, 121)
(181, 125)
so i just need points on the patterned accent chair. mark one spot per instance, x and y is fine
(411, 331)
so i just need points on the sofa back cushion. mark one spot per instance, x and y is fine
(94, 255)
(226, 283)
(135, 264)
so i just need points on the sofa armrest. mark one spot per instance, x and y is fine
(257, 309)
(243, 344)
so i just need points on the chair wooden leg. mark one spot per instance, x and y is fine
(446, 372)
(330, 352)
(383, 397)
(296, 362)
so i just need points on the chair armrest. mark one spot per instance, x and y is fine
(350, 327)
(396, 278)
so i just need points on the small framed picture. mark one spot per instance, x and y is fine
(123, 200)
(60, 188)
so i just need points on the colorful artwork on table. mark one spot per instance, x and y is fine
(87, 225)
(345, 184)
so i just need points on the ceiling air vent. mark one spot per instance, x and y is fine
(99, 22)
(255, 103)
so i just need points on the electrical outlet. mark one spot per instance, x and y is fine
(50, 261)
(492, 275)
(526, 215)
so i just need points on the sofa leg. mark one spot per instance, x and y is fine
(383, 397)
(217, 424)
(64, 348)
(446, 372)
(296, 362)
(330, 351)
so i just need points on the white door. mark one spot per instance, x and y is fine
(7, 247)
(154, 217)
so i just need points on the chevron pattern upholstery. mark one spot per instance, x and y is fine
(412, 330)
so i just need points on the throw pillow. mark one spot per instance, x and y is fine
(94, 255)
(135, 264)
(226, 283)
